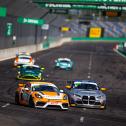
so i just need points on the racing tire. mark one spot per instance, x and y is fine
(17, 98)
(31, 102)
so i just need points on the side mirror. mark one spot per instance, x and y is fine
(55, 61)
(68, 86)
(103, 89)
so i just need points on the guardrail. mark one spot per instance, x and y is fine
(104, 39)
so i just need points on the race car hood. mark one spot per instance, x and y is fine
(81, 92)
(29, 72)
(51, 95)
(63, 64)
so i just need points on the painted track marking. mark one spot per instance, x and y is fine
(7, 104)
(82, 119)
(84, 109)
(90, 66)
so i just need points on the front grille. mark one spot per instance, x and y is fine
(54, 100)
(32, 77)
(85, 99)
(53, 107)
(40, 103)
(92, 100)
(88, 100)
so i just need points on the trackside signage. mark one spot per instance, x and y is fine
(81, 6)
(82, 1)
(3, 12)
(9, 29)
(30, 21)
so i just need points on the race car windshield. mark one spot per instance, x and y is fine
(29, 68)
(85, 86)
(64, 61)
(24, 57)
(45, 88)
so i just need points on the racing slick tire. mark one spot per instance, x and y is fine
(31, 102)
(17, 98)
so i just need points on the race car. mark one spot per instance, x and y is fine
(41, 95)
(85, 93)
(30, 72)
(23, 58)
(63, 63)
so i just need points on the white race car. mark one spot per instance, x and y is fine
(23, 58)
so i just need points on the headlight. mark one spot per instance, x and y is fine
(65, 97)
(57, 64)
(76, 95)
(38, 96)
(69, 65)
(39, 75)
(100, 97)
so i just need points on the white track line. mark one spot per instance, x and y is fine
(90, 66)
(7, 104)
(84, 109)
(82, 119)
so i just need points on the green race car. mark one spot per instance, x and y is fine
(64, 63)
(30, 72)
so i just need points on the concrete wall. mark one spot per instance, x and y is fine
(11, 52)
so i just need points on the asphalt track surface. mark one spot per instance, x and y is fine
(95, 61)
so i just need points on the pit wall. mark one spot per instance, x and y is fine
(11, 52)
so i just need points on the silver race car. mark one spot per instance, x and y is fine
(84, 93)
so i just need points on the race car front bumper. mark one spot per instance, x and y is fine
(29, 78)
(52, 105)
(96, 104)
(63, 68)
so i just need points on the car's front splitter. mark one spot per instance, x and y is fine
(54, 105)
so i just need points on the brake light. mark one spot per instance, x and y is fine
(38, 96)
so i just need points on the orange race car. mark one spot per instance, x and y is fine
(41, 95)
